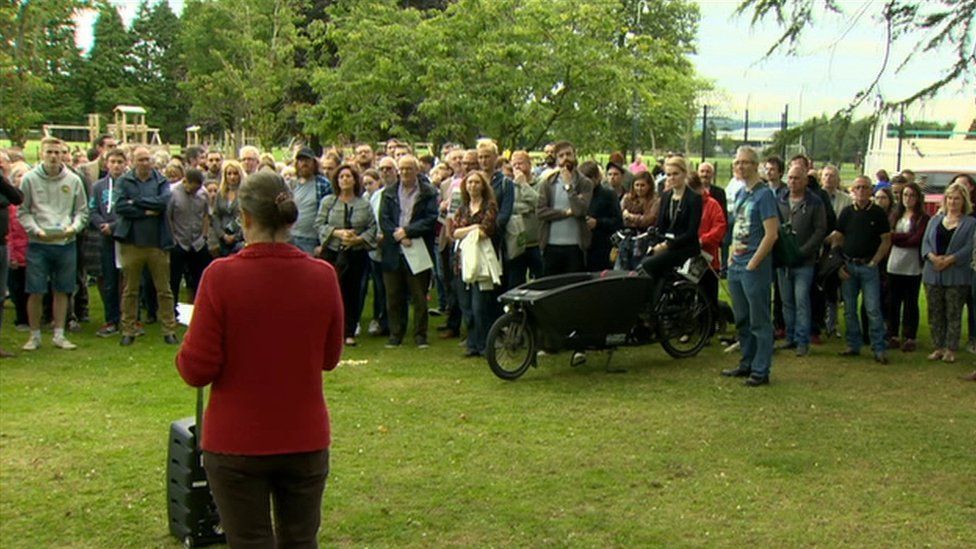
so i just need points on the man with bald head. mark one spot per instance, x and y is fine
(143, 195)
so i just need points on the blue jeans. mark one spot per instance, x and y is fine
(866, 281)
(477, 309)
(109, 287)
(795, 285)
(751, 296)
(305, 244)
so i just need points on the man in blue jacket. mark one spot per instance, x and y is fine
(143, 194)
(103, 218)
(408, 213)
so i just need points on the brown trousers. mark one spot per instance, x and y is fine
(246, 487)
(134, 258)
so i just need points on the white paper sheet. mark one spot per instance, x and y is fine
(417, 257)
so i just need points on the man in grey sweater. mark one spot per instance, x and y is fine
(54, 211)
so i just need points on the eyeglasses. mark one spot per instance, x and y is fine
(386, 168)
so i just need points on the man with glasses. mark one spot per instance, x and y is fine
(756, 224)
(864, 236)
(364, 157)
(250, 158)
(408, 213)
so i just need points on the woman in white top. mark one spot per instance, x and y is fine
(908, 222)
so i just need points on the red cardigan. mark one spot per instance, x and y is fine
(266, 322)
(711, 231)
(17, 239)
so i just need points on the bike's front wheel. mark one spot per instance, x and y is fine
(510, 346)
(685, 320)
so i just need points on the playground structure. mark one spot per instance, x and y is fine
(91, 131)
(129, 128)
(136, 131)
(192, 135)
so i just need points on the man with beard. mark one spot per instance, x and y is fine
(549, 162)
(215, 161)
(364, 157)
(564, 200)
(308, 188)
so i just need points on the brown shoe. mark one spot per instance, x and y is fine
(447, 334)
(908, 346)
(6, 354)
(970, 377)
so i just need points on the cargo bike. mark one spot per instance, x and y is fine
(599, 311)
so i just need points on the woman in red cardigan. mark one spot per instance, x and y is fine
(267, 321)
(711, 231)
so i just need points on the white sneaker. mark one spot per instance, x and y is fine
(33, 344)
(63, 343)
(374, 328)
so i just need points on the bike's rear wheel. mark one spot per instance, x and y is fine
(685, 320)
(510, 346)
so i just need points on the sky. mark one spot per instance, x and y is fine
(838, 57)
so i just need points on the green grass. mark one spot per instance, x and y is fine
(432, 450)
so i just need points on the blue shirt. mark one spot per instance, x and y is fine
(750, 210)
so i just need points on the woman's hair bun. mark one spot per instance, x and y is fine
(266, 197)
(287, 209)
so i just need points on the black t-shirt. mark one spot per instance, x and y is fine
(862, 229)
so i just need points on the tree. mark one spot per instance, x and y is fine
(930, 25)
(38, 51)
(521, 71)
(107, 77)
(837, 139)
(240, 65)
(157, 68)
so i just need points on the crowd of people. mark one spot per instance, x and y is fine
(446, 234)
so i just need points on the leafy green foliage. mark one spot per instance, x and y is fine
(158, 69)
(836, 139)
(520, 71)
(107, 78)
(239, 64)
(37, 54)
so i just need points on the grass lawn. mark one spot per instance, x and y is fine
(432, 450)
